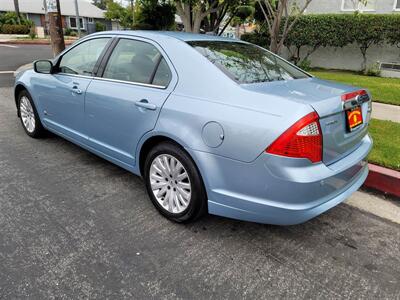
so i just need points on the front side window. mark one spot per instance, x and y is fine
(397, 4)
(246, 63)
(81, 59)
(137, 62)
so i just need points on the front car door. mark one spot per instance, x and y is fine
(125, 102)
(62, 94)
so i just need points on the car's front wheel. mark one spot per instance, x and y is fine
(28, 114)
(174, 183)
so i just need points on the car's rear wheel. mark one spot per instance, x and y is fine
(28, 115)
(174, 183)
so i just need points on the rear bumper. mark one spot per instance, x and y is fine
(264, 213)
(278, 190)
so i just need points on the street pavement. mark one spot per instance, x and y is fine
(13, 56)
(73, 225)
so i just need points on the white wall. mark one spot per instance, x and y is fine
(349, 57)
(335, 6)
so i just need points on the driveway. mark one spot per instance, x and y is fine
(73, 225)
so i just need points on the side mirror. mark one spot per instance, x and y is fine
(43, 66)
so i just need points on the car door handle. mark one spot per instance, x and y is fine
(145, 104)
(76, 90)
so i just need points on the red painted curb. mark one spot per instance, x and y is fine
(384, 180)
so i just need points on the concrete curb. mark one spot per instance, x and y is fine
(384, 180)
(16, 42)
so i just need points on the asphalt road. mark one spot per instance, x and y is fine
(13, 56)
(73, 225)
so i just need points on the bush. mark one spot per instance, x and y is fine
(32, 33)
(155, 15)
(373, 70)
(15, 29)
(257, 38)
(100, 26)
(336, 30)
(67, 31)
(305, 64)
(11, 18)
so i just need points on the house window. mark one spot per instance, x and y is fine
(396, 4)
(73, 25)
(357, 5)
(90, 20)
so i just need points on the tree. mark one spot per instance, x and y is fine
(117, 12)
(280, 17)
(154, 15)
(392, 32)
(315, 31)
(367, 30)
(193, 12)
(212, 22)
(241, 14)
(102, 4)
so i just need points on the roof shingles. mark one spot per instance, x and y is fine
(86, 9)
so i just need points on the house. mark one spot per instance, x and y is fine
(350, 6)
(35, 11)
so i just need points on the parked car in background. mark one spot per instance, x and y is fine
(210, 123)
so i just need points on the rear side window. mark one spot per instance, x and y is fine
(81, 59)
(137, 62)
(246, 63)
(163, 74)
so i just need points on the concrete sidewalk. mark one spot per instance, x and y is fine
(386, 112)
(11, 37)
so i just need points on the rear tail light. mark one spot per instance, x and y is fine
(353, 95)
(302, 140)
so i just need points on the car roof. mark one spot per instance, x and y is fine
(183, 36)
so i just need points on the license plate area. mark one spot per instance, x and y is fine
(354, 118)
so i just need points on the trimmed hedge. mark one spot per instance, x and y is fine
(15, 29)
(336, 30)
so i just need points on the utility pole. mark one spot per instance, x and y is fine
(46, 19)
(56, 29)
(78, 19)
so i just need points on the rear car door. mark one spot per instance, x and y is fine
(124, 101)
(62, 94)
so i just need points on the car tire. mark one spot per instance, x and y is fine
(29, 117)
(168, 186)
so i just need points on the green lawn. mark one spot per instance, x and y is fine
(386, 150)
(385, 90)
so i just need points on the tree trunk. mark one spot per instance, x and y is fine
(16, 6)
(364, 62)
(273, 46)
(197, 18)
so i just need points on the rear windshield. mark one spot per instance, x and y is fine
(246, 63)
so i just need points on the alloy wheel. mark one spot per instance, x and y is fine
(170, 183)
(27, 114)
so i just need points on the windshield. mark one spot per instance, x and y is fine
(247, 63)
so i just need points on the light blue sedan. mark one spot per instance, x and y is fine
(211, 124)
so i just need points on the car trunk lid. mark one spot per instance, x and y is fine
(325, 98)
